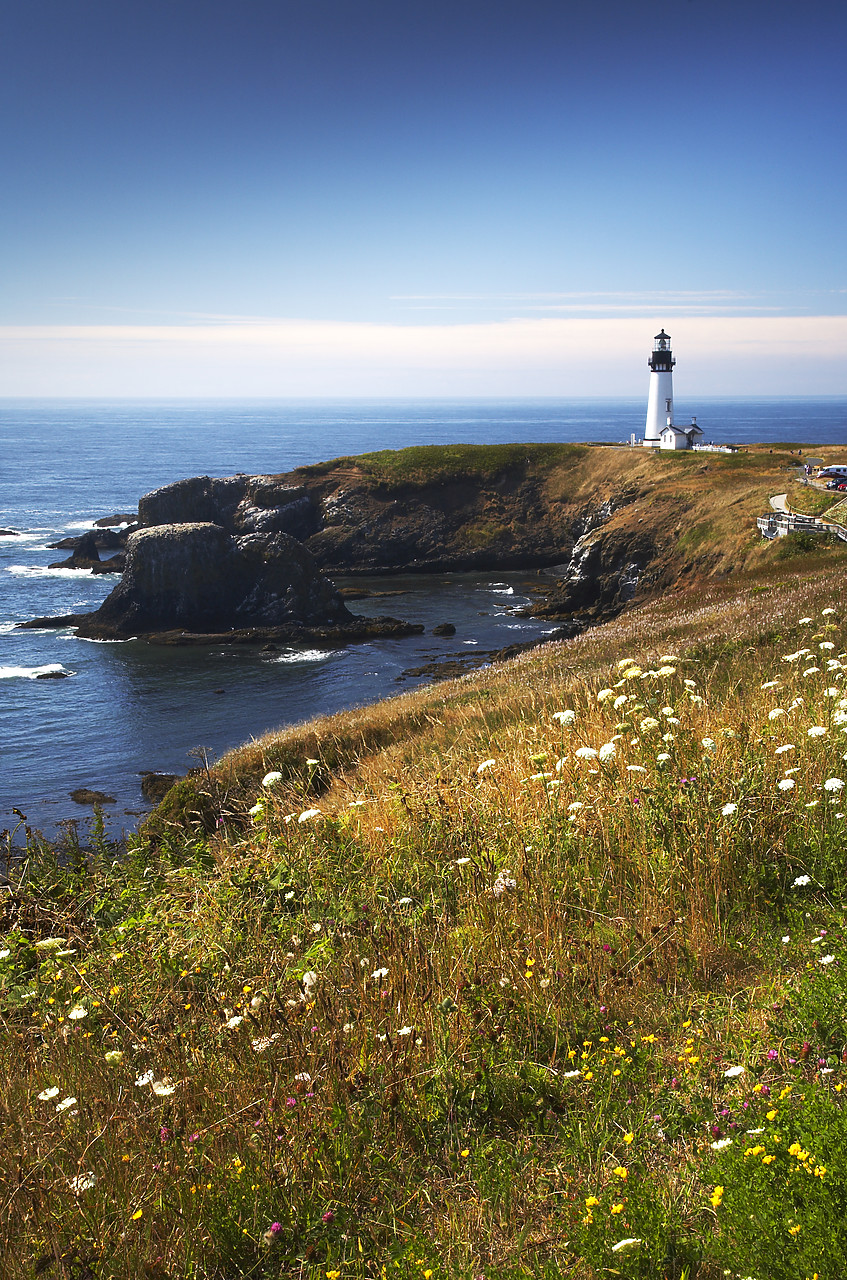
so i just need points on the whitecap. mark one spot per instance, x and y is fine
(31, 673)
(501, 589)
(304, 655)
(37, 571)
(470, 642)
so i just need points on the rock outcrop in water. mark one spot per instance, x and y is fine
(198, 577)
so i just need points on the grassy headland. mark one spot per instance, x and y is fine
(497, 978)
(535, 973)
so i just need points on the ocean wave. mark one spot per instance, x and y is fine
(23, 537)
(305, 655)
(500, 589)
(39, 571)
(32, 673)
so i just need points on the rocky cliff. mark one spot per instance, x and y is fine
(602, 525)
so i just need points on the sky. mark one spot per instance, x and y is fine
(263, 198)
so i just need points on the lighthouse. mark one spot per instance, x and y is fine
(660, 397)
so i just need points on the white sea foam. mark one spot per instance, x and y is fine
(500, 589)
(39, 571)
(31, 673)
(305, 655)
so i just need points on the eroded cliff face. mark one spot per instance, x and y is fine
(354, 525)
(199, 577)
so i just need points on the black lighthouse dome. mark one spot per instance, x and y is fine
(661, 361)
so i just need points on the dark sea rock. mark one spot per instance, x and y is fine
(84, 795)
(86, 555)
(121, 517)
(444, 629)
(201, 579)
(9, 533)
(53, 675)
(154, 786)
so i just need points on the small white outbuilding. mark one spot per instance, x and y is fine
(671, 437)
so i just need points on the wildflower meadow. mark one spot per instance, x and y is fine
(541, 972)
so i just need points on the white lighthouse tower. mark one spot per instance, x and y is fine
(660, 398)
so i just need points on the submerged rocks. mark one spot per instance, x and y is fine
(201, 578)
(84, 795)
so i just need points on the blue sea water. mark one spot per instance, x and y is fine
(130, 707)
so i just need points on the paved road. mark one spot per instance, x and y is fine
(779, 502)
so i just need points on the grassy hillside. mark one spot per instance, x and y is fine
(536, 973)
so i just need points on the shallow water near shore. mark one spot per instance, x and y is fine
(127, 707)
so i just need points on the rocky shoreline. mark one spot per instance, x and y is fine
(250, 559)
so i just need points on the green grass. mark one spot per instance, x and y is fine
(437, 464)
(485, 981)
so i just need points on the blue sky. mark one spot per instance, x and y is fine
(446, 169)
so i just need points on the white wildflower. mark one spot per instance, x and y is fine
(460, 862)
(47, 1095)
(635, 768)
(805, 621)
(825, 613)
(380, 973)
(721, 1144)
(50, 944)
(816, 731)
(585, 753)
(485, 766)
(728, 809)
(504, 884)
(619, 701)
(405, 1031)
(648, 724)
(82, 1182)
(261, 1043)
(786, 784)
(786, 746)
(625, 662)
(607, 751)
(833, 784)
(272, 778)
(114, 1056)
(605, 694)
(825, 959)
(708, 743)
(163, 1088)
(628, 1242)
(565, 717)
(826, 644)
(65, 1103)
(575, 805)
(666, 671)
(800, 881)
(308, 814)
(771, 684)
(235, 1021)
(310, 981)
(571, 1075)
(786, 938)
(776, 713)
(146, 1078)
(732, 1072)
(77, 1013)
(812, 671)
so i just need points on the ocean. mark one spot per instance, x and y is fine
(129, 707)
